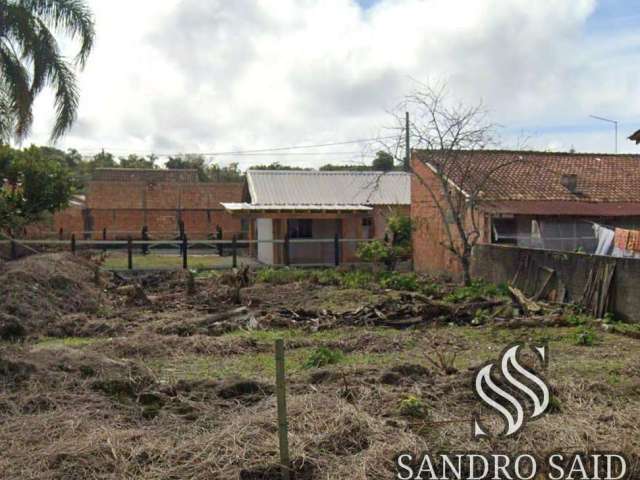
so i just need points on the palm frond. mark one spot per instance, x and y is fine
(7, 116)
(66, 97)
(71, 16)
(17, 83)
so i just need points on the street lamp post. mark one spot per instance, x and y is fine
(615, 124)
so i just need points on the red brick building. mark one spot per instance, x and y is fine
(122, 201)
(310, 205)
(534, 200)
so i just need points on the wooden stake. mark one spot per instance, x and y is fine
(234, 251)
(283, 424)
(129, 253)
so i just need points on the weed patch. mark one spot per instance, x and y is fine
(322, 357)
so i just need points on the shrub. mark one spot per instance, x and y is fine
(376, 251)
(477, 290)
(400, 281)
(401, 228)
(322, 357)
(357, 279)
(585, 337)
(328, 276)
(412, 406)
(578, 319)
(281, 276)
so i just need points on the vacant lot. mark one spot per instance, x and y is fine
(165, 377)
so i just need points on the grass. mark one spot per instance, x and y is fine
(119, 261)
(68, 342)
(353, 279)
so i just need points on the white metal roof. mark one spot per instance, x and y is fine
(251, 207)
(303, 188)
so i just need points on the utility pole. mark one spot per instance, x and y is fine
(615, 124)
(407, 142)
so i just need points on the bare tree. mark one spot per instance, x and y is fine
(449, 133)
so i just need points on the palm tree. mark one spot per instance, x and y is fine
(30, 60)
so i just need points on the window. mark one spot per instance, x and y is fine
(244, 228)
(367, 222)
(300, 228)
(505, 231)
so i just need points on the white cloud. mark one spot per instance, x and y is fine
(193, 75)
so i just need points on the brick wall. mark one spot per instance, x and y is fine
(122, 175)
(430, 237)
(124, 208)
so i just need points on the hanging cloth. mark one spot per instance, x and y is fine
(605, 238)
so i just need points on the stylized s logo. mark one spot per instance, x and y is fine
(514, 418)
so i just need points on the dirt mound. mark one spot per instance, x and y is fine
(14, 373)
(403, 373)
(11, 329)
(246, 390)
(41, 288)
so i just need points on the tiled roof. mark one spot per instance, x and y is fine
(535, 176)
(270, 187)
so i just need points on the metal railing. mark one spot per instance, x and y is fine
(133, 253)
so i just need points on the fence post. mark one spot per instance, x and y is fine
(104, 238)
(73, 243)
(283, 424)
(14, 250)
(61, 233)
(287, 259)
(129, 253)
(336, 249)
(185, 250)
(234, 251)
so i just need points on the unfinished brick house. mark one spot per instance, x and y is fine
(123, 200)
(536, 200)
(308, 205)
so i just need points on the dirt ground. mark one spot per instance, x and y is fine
(171, 377)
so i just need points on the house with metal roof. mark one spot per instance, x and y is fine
(541, 200)
(310, 209)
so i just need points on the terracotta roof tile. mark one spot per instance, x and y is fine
(531, 176)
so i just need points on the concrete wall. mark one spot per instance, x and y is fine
(499, 263)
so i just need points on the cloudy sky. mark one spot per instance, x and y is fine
(171, 76)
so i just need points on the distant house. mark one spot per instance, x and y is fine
(311, 205)
(540, 200)
(123, 200)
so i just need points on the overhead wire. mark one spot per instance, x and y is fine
(253, 151)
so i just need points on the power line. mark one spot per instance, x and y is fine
(245, 152)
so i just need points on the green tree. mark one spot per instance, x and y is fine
(344, 168)
(136, 161)
(34, 184)
(231, 173)
(30, 60)
(102, 160)
(383, 162)
(276, 166)
(189, 162)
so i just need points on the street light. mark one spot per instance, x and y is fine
(615, 123)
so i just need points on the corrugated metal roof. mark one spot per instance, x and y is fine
(269, 187)
(251, 207)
